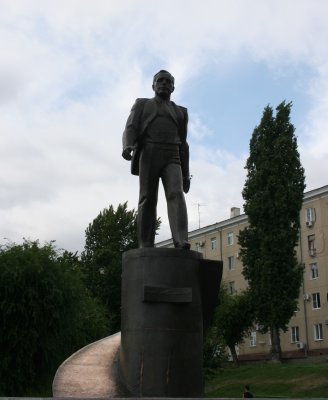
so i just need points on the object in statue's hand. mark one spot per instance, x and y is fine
(186, 184)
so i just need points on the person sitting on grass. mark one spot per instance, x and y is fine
(247, 392)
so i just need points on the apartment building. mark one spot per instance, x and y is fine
(307, 332)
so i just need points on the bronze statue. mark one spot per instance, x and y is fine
(154, 140)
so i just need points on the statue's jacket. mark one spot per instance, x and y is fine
(142, 114)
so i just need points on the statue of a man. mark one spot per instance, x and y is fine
(155, 140)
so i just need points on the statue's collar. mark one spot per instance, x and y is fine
(159, 100)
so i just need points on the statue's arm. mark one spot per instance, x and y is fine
(184, 156)
(184, 153)
(131, 131)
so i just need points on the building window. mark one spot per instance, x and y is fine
(295, 334)
(199, 246)
(213, 243)
(231, 262)
(230, 238)
(314, 271)
(231, 288)
(269, 338)
(258, 327)
(311, 245)
(252, 341)
(316, 300)
(318, 332)
(310, 216)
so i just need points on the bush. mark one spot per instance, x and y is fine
(46, 314)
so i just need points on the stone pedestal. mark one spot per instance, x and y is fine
(161, 352)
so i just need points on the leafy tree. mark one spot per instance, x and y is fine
(234, 318)
(110, 234)
(273, 195)
(214, 350)
(46, 314)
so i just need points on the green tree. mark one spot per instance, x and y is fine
(46, 314)
(234, 318)
(110, 234)
(273, 195)
(214, 350)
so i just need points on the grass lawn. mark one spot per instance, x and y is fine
(270, 380)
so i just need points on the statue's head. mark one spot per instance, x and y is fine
(163, 83)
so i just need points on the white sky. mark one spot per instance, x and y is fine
(71, 70)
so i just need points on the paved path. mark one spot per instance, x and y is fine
(91, 372)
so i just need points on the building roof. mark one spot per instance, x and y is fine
(230, 222)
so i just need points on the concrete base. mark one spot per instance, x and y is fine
(161, 352)
(91, 372)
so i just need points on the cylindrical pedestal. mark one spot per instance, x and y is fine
(161, 351)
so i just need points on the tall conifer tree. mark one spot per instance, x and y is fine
(273, 195)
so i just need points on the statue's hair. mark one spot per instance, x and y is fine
(163, 71)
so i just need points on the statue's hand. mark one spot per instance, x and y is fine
(186, 184)
(126, 154)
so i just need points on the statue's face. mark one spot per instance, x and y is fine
(164, 85)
